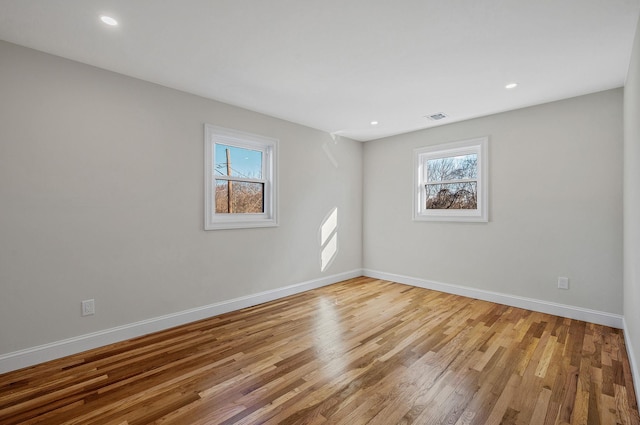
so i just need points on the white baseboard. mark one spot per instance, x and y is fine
(563, 310)
(42, 353)
(635, 373)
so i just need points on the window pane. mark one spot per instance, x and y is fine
(452, 168)
(454, 196)
(246, 198)
(242, 162)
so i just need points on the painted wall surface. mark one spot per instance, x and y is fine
(555, 206)
(101, 196)
(632, 203)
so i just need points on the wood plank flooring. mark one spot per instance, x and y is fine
(363, 351)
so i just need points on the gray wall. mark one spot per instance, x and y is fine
(632, 203)
(101, 196)
(101, 181)
(555, 206)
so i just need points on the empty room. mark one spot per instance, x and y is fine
(296, 212)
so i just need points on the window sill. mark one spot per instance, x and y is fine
(457, 218)
(237, 224)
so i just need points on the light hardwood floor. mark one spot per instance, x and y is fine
(363, 351)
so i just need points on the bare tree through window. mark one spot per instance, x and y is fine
(452, 182)
(236, 193)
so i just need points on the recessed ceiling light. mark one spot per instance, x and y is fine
(374, 123)
(109, 20)
(511, 86)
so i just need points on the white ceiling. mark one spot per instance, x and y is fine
(337, 65)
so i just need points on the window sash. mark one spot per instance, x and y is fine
(450, 181)
(245, 145)
(239, 179)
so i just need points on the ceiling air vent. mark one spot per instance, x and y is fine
(437, 117)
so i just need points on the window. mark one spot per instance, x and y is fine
(240, 179)
(451, 182)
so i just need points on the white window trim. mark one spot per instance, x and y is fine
(269, 148)
(478, 145)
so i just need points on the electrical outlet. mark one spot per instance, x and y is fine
(88, 307)
(563, 283)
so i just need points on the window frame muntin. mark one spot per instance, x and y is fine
(479, 146)
(269, 148)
